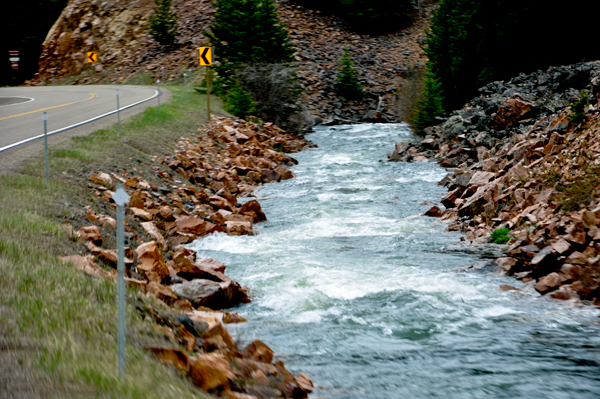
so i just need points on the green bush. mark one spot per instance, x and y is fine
(238, 101)
(500, 236)
(163, 24)
(578, 114)
(347, 78)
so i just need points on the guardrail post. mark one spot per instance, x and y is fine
(45, 118)
(118, 113)
(162, 71)
(185, 84)
(52, 73)
(121, 197)
(158, 88)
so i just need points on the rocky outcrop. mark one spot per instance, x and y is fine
(519, 161)
(118, 32)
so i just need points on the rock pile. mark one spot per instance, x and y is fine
(201, 186)
(520, 161)
(117, 31)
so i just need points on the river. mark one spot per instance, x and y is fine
(356, 289)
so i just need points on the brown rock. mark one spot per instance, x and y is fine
(588, 219)
(90, 233)
(510, 112)
(505, 287)
(141, 213)
(153, 231)
(253, 207)
(561, 246)
(211, 371)
(576, 235)
(172, 357)
(191, 225)
(102, 179)
(449, 199)
(258, 351)
(435, 212)
(218, 333)
(234, 228)
(548, 283)
(161, 292)
(305, 383)
(151, 260)
(212, 264)
(507, 264)
(232, 318)
(86, 264)
(481, 178)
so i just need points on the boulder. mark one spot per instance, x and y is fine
(435, 212)
(548, 283)
(253, 208)
(211, 371)
(171, 357)
(211, 294)
(152, 264)
(258, 351)
(90, 233)
(153, 232)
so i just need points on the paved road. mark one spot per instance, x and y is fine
(21, 111)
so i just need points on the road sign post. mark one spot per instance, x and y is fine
(206, 59)
(118, 113)
(45, 118)
(121, 197)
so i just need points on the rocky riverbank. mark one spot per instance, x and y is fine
(522, 159)
(192, 194)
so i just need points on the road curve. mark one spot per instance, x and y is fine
(21, 111)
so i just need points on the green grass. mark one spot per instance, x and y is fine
(69, 317)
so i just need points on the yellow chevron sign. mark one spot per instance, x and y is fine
(206, 56)
(92, 56)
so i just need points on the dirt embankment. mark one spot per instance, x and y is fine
(194, 193)
(118, 32)
(523, 160)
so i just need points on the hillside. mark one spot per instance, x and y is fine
(117, 31)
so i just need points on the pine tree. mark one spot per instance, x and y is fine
(348, 84)
(163, 24)
(238, 101)
(248, 32)
(431, 105)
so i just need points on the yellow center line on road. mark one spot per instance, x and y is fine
(92, 95)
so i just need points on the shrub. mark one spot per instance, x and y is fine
(275, 90)
(347, 78)
(500, 236)
(578, 114)
(163, 24)
(238, 101)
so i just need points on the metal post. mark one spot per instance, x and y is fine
(185, 84)
(118, 112)
(45, 118)
(117, 76)
(162, 71)
(208, 91)
(158, 88)
(52, 73)
(120, 197)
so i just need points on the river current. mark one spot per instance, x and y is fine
(354, 287)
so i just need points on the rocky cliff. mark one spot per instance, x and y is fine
(521, 159)
(118, 32)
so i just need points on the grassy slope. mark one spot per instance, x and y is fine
(59, 324)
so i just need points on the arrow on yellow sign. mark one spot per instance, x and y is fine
(92, 56)
(206, 57)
